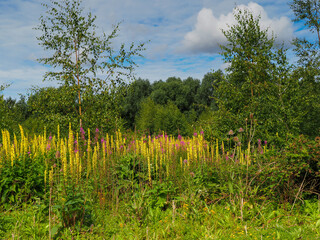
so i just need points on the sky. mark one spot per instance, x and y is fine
(182, 36)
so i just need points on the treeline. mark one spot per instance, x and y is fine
(174, 106)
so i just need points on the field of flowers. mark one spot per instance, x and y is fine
(91, 184)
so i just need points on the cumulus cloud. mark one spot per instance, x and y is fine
(207, 34)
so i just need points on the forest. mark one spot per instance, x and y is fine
(106, 155)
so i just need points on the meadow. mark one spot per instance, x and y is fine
(132, 185)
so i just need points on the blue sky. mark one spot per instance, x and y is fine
(184, 35)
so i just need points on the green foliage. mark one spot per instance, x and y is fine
(168, 118)
(136, 93)
(52, 107)
(259, 79)
(73, 209)
(308, 65)
(181, 93)
(22, 182)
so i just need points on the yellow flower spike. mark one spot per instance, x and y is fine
(15, 141)
(217, 150)
(94, 160)
(79, 165)
(104, 155)
(149, 168)
(45, 177)
(12, 155)
(51, 177)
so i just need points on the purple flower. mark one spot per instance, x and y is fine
(48, 147)
(201, 132)
(227, 158)
(265, 142)
(50, 138)
(195, 134)
(185, 161)
(179, 137)
(97, 130)
(259, 141)
(102, 140)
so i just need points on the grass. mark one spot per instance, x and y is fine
(215, 222)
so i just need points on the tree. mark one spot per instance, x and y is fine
(137, 92)
(307, 70)
(258, 78)
(207, 91)
(85, 61)
(308, 11)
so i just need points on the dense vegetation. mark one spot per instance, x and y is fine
(235, 155)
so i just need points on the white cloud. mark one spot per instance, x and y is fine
(207, 34)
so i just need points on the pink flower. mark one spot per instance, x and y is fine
(230, 132)
(195, 134)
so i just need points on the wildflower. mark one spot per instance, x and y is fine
(185, 161)
(50, 138)
(265, 142)
(240, 130)
(201, 132)
(179, 137)
(48, 147)
(227, 158)
(239, 144)
(195, 134)
(192, 174)
(57, 154)
(97, 130)
(236, 139)
(230, 132)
